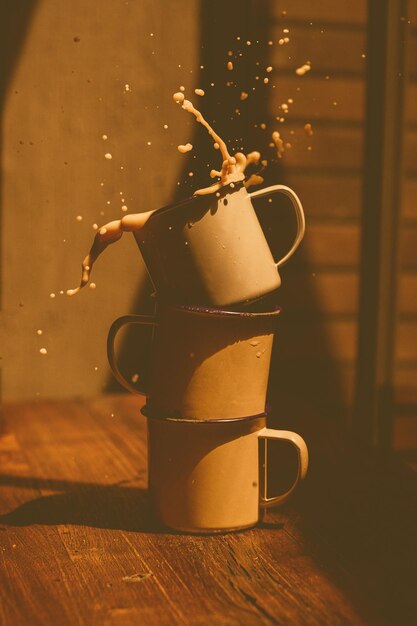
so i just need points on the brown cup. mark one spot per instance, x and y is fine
(208, 477)
(212, 250)
(205, 363)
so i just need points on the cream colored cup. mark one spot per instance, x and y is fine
(212, 250)
(205, 363)
(207, 477)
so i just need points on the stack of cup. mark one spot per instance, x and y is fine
(209, 365)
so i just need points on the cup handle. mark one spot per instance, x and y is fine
(302, 452)
(299, 213)
(147, 320)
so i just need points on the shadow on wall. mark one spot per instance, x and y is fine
(14, 22)
(297, 391)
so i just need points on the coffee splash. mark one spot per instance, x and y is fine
(107, 234)
(233, 167)
(232, 171)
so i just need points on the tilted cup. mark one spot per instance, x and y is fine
(207, 477)
(212, 250)
(205, 363)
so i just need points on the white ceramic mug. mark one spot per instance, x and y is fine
(211, 250)
(205, 363)
(207, 477)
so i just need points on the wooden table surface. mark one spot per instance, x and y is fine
(79, 546)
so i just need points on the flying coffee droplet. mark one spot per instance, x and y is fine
(308, 129)
(178, 97)
(303, 69)
(183, 148)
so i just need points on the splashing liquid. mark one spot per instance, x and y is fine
(232, 170)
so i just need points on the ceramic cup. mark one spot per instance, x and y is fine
(212, 250)
(207, 477)
(204, 363)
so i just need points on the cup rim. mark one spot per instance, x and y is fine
(147, 412)
(196, 198)
(203, 309)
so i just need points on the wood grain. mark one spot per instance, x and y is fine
(78, 545)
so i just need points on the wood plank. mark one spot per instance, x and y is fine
(337, 293)
(329, 293)
(411, 52)
(319, 371)
(412, 13)
(404, 438)
(335, 194)
(333, 51)
(341, 335)
(345, 11)
(409, 195)
(408, 246)
(332, 245)
(314, 97)
(406, 341)
(405, 382)
(328, 245)
(411, 102)
(332, 195)
(336, 148)
(407, 293)
(306, 339)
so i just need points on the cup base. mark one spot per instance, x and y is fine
(209, 531)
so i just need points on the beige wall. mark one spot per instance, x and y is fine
(66, 90)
